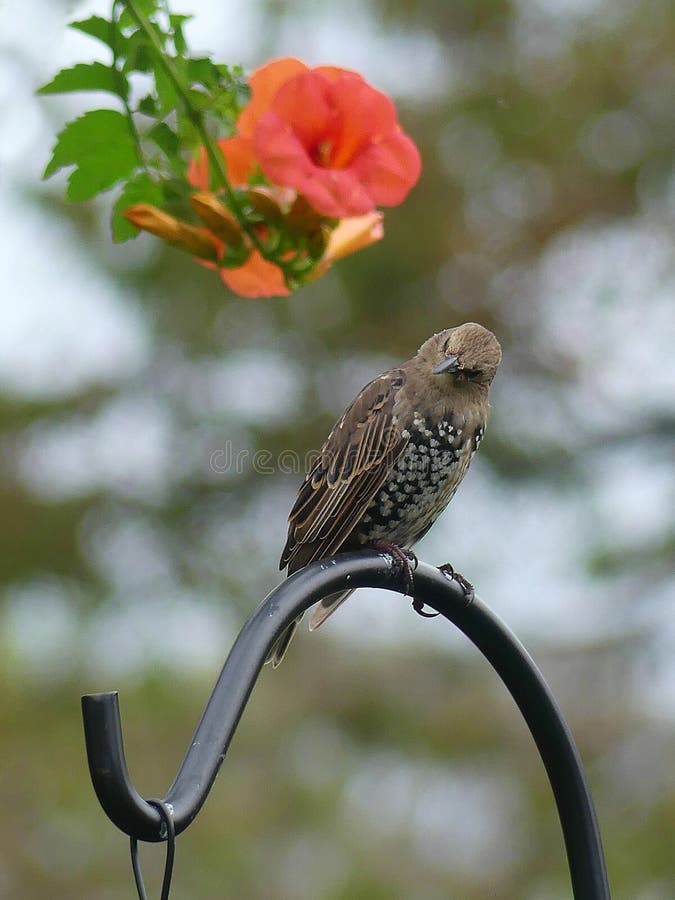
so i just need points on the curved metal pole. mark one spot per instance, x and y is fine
(133, 815)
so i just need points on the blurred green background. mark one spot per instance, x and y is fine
(383, 759)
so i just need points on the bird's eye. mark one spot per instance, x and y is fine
(471, 374)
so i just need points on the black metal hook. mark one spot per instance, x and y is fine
(137, 818)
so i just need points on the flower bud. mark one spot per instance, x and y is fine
(349, 236)
(262, 201)
(354, 234)
(303, 219)
(318, 241)
(217, 218)
(175, 232)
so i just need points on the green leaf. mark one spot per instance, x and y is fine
(140, 189)
(165, 138)
(102, 148)
(147, 7)
(166, 93)
(177, 193)
(177, 22)
(203, 71)
(87, 77)
(101, 29)
(148, 105)
(199, 99)
(137, 53)
(188, 134)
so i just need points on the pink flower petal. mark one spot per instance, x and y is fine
(284, 160)
(388, 169)
(264, 83)
(305, 104)
(256, 278)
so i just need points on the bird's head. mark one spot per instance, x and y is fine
(468, 353)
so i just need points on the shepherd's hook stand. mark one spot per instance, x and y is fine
(147, 820)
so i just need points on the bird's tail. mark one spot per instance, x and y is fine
(278, 652)
(327, 607)
(322, 611)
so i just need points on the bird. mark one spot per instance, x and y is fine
(394, 459)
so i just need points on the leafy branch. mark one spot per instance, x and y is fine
(192, 101)
(169, 149)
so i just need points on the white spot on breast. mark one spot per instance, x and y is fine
(422, 483)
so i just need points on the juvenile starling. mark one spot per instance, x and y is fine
(395, 458)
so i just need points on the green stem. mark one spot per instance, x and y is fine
(125, 102)
(212, 150)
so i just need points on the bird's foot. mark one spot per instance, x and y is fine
(466, 586)
(405, 558)
(418, 606)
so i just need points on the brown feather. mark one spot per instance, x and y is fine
(326, 608)
(354, 463)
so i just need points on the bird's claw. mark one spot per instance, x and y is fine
(418, 606)
(405, 558)
(465, 584)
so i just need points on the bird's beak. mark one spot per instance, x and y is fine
(449, 364)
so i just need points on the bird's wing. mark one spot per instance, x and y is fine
(353, 465)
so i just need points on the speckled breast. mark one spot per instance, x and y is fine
(422, 482)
